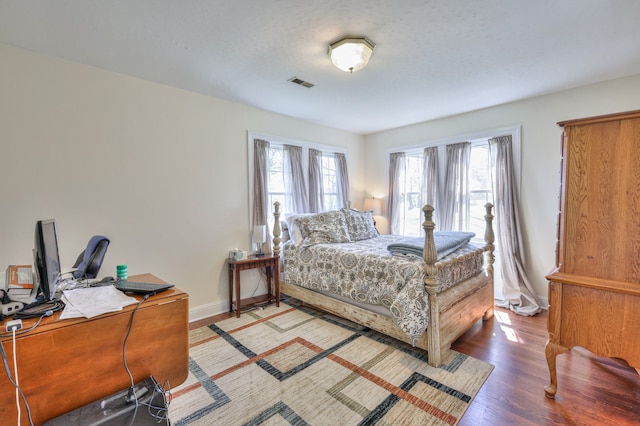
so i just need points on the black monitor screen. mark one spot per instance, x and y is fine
(46, 257)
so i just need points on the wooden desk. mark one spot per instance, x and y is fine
(64, 365)
(271, 263)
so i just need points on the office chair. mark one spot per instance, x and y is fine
(90, 260)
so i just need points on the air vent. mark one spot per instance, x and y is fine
(306, 84)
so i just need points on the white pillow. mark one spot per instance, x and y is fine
(294, 227)
(284, 227)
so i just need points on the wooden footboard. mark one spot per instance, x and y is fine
(451, 312)
(450, 317)
(457, 314)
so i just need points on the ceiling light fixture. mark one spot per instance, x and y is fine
(351, 53)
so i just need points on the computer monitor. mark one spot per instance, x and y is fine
(46, 260)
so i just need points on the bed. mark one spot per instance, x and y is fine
(427, 301)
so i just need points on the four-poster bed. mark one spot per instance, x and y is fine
(459, 287)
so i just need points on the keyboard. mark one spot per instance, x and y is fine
(136, 287)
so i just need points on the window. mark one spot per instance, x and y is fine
(331, 191)
(480, 189)
(277, 178)
(288, 176)
(480, 176)
(280, 190)
(480, 185)
(410, 198)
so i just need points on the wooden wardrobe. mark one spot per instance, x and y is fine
(594, 290)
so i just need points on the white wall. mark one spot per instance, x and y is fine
(161, 171)
(541, 135)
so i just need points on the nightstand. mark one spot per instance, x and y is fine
(270, 263)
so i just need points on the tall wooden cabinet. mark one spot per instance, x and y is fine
(594, 290)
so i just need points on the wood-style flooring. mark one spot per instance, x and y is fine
(591, 390)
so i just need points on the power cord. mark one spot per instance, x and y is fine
(15, 370)
(261, 277)
(39, 309)
(15, 382)
(131, 397)
(160, 413)
(26, 330)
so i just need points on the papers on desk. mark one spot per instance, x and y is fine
(93, 301)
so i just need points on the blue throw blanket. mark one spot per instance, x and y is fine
(446, 242)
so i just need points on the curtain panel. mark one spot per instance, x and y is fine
(343, 178)
(295, 185)
(455, 215)
(260, 187)
(429, 193)
(516, 287)
(397, 168)
(316, 193)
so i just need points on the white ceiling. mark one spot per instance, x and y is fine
(433, 58)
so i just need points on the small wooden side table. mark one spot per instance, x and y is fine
(270, 263)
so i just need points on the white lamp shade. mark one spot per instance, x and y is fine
(373, 205)
(259, 234)
(351, 53)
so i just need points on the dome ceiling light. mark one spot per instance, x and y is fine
(351, 53)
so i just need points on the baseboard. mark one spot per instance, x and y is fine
(208, 310)
(221, 307)
(544, 302)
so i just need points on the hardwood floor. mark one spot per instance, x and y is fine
(591, 390)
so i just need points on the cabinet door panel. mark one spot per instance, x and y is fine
(602, 224)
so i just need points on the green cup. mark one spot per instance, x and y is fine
(122, 272)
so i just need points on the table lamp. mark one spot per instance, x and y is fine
(259, 238)
(373, 205)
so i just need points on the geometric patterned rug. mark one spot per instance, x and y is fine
(294, 365)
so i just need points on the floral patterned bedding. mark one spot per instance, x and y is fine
(366, 272)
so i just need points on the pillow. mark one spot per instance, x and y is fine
(360, 225)
(294, 229)
(285, 232)
(323, 228)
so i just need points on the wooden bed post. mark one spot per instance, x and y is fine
(431, 283)
(489, 238)
(276, 229)
(489, 257)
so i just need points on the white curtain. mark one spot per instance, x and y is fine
(295, 186)
(395, 204)
(456, 216)
(516, 288)
(316, 193)
(260, 187)
(343, 178)
(429, 193)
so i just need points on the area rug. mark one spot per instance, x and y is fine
(293, 365)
